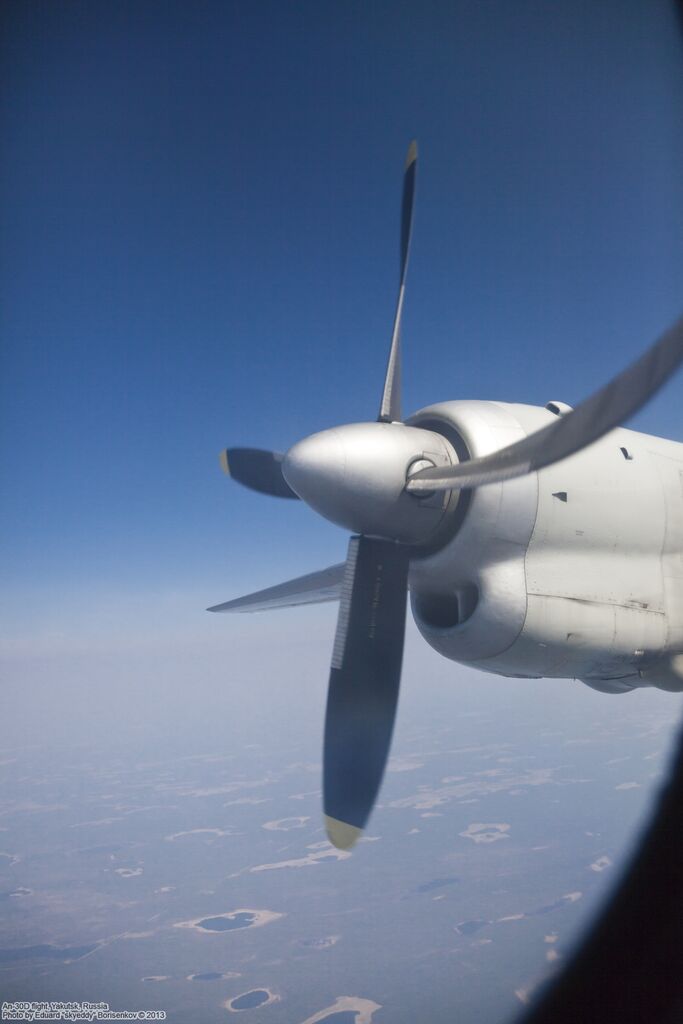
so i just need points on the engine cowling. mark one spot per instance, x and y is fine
(575, 571)
(469, 597)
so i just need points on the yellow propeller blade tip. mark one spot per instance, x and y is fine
(341, 834)
(223, 459)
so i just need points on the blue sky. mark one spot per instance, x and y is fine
(200, 247)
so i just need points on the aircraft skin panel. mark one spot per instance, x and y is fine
(599, 543)
(594, 567)
(602, 516)
(670, 470)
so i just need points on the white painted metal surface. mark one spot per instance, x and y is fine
(355, 476)
(578, 567)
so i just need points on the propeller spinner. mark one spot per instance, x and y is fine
(391, 484)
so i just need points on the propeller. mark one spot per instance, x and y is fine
(390, 406)
(364, 682)
(257, 469)
(605, 409)
(368, 649)
(391, 483)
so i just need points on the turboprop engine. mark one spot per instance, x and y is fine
(446, 500)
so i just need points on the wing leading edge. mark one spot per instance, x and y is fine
(314, 588)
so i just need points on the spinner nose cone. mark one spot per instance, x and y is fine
(315, 468)
(355, 476)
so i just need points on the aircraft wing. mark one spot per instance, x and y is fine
(314, 588)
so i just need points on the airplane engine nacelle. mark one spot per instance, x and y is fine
(574, 571)
(469, 597)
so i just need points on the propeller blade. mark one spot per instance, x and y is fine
(313, 588)
(257, 469)
(364, 683)
(588, 422)
(390, 407)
